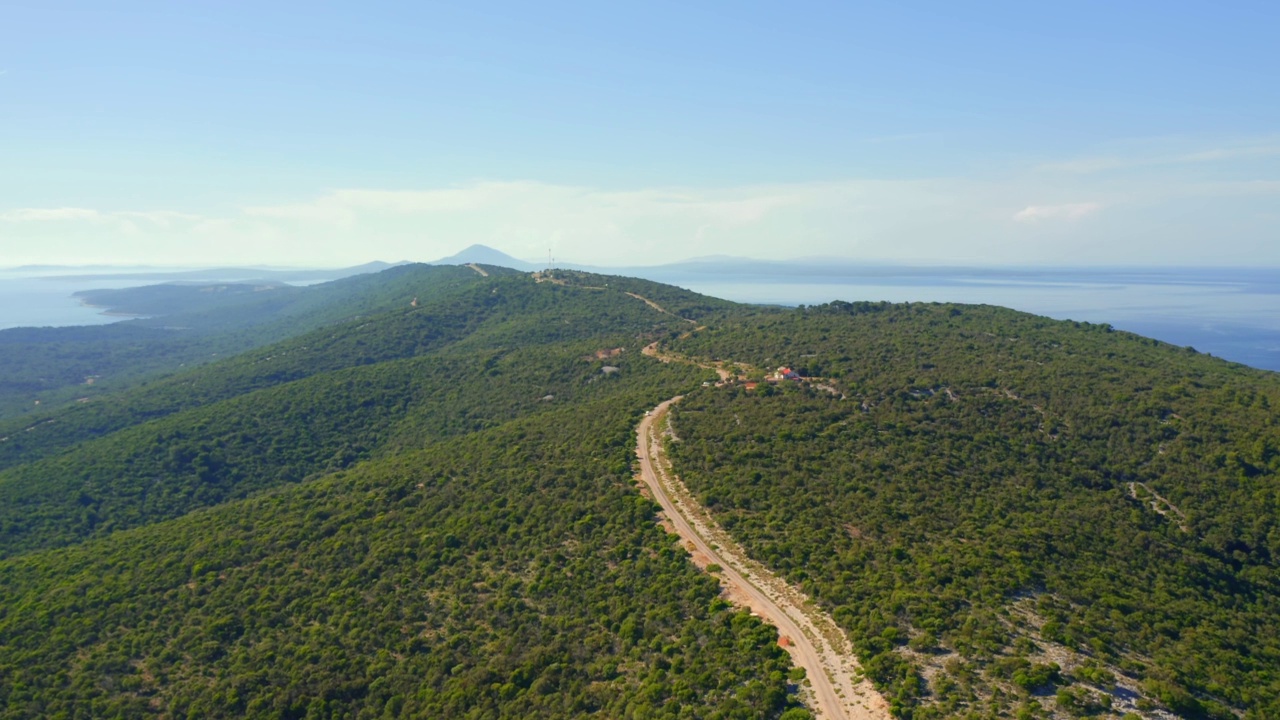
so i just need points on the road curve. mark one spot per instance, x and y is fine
(815, 643)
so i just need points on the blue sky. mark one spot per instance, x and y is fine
(335, 133)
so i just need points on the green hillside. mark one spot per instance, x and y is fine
(314, 403)
(497, 312)
(976, 492)
(469, 542)
(428, 510)
(188, 326)
(513, 574)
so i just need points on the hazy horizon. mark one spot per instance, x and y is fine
(1090, 135)
(1226, 312)
(841, 261)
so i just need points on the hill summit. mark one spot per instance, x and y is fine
(485, 255)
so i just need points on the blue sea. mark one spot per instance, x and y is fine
(42, 302)
(1232, 313)
(46, 300)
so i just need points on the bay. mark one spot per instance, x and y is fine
(48, 302)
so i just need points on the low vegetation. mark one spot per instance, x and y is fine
(962, 503)
(426, 509)
(44, 368)
(510, 574)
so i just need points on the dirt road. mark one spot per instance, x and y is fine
(651, 350)
(812, 638)
(659, 308)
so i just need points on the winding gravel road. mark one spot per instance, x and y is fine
(813, 639)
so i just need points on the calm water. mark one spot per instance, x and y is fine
(44, 302)
(48, 301)
(1233, 314)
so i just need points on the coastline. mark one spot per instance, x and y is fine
(37, 303)
(107, 310)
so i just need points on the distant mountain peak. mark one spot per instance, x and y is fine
(484, 255)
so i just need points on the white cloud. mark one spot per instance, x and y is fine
(49, 214)
(315, 212)
(1236, 153)
(1172, 156)
(530, 217)
(1088, 165)
(130, 218)
(1238, 187)
(162, 218)
(1208, 216)
(1067, 211)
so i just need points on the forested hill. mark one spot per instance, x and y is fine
(429, 514)
(427, 509)
(1006, 511)
(318, 402)
(189, 325)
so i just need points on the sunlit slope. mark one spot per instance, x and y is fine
(56, 365)
(1006, 513)
(509, 573)
(976, 493)
(502, 310)
(319, 403)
